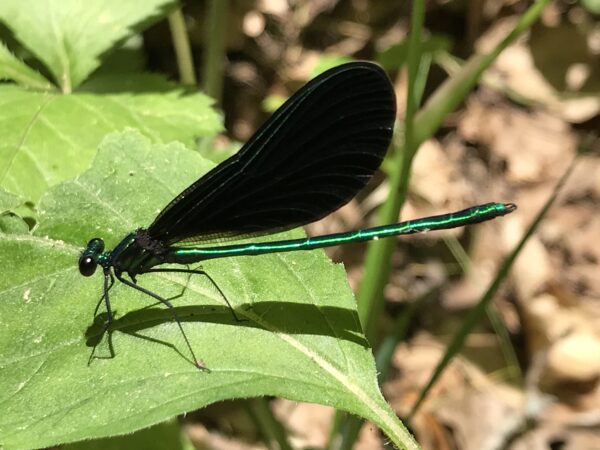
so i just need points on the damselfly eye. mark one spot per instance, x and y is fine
(87, 265)
(96, 245)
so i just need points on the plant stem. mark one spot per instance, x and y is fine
(181, 43)
(212, 70)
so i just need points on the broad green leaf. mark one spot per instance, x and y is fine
(12, 68)
(47, 137)
(70, 36)
(12, 224)
(8, 201)
(138, 83)
(9, 221)
(127, 59)
(300, 337)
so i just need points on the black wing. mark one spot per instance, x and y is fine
(311, 157)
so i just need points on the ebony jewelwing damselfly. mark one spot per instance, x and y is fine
(311, 157)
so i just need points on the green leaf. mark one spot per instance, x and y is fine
(300, 338)
(127, 59)
(71, 36)
(592, 6)
(128, 83)
(8, 201)
(47, 138)
(327, 62)
(273, 102)
(12, 68)
(395, 56)
(10, 222)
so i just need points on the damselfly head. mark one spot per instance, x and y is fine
(88, 261)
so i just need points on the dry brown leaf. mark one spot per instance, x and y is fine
(541, 69)
(308, 424)
(576, 357)
(532, 270)
(536, 146)
(551, 436)
(435, 178)
(456, 402)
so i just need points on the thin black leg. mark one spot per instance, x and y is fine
(107, 287)
(202, 272)
(197, 362)
(104, 297)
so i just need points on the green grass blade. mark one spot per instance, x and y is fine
(272, 430)
(212, 66)
(370, 294)
(377, 262)
(377, 267)
(181, 43)
(479, 310)
(457, 87)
